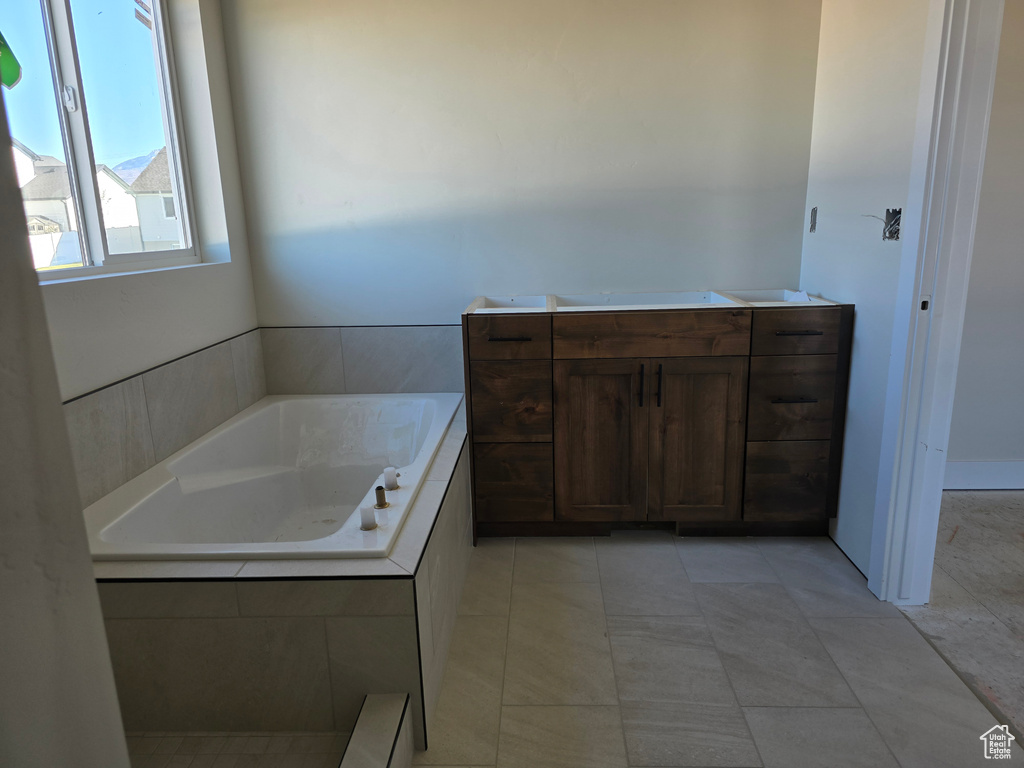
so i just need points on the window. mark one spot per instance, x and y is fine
(96, 143)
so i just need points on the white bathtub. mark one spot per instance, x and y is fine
(283, 479)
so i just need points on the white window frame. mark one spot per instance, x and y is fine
(66, 74)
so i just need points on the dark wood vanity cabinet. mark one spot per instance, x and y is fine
(715, 420)
(649, 439)
(799, 370)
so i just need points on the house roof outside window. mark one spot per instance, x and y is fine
(155, 178)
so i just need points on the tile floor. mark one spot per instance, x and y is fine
(975, 617)
(644, 649)
(236, 750)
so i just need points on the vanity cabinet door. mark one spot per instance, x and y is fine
(698, 412)
(600, 439)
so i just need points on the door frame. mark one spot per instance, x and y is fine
(946, 177)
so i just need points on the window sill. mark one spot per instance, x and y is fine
(79, 274)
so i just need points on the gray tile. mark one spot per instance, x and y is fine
(809, 738)
(141, 745)
(167, 599)
(986, 653)
(979, 545)
(316, 743)
(166, 569)
(464, 729)
(231, 674)
(448, 552)
(334, 597)
(923, 711)
(189, 397)
(412, 539)
(724, 560)
(358, 567)
(303, 361)
(168, 745)
(380, 719)
(555, 559)
(688, 734)
(247, 359)
(561, 737)
(255, 745)
(440, 577)
(371, 653)
(820, 579)
(642, 576)
(448, 454)
(150, 761)
(667, 659)
(410, 358)
(405, 746)
(488, 588)
(110, 438)
(431, 662)
(771, 654)
(235, 745)
(558, 650)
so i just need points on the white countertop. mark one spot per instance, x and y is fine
(591, 302)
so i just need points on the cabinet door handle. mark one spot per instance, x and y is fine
(659, 385)
(509, 338)
(797, 400)
(799, 333)
(641, 385)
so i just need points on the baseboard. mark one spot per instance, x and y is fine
(984, 475)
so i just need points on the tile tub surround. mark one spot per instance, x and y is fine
(120, 431)
(363, 359)
(237, 749)
(291, 644)
(874, 693)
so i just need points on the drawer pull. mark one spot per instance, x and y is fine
(799, 333)
(796, 400)
(510, 338)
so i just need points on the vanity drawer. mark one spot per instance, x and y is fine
(786, 481)
(511, 400)
(509, 337)
(795, 331)
(791, 397)
(514, 482)
(683, 333)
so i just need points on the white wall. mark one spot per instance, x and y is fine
(24, 168)
(158, 231)
(118, 203)
(104, 329)
(988, 414)
(869, 76)
(401, 158)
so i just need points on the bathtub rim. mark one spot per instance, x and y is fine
(108, 509)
